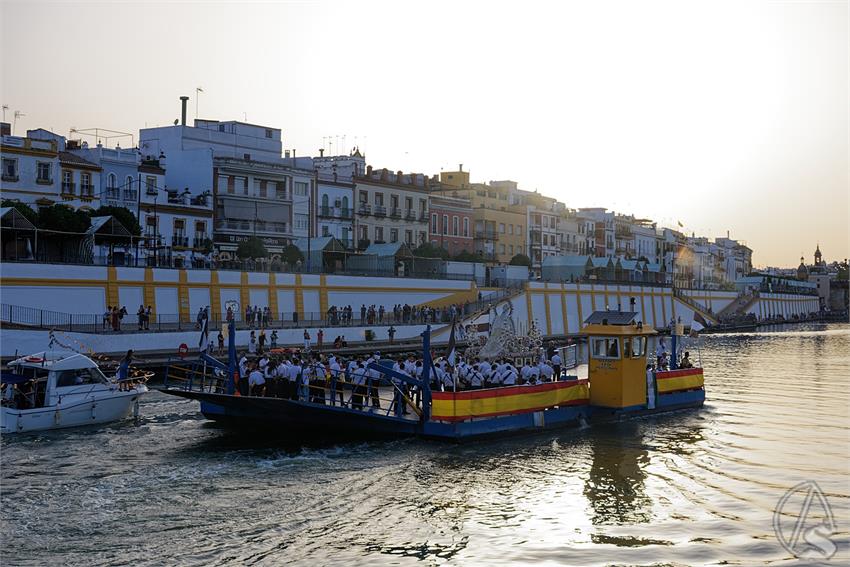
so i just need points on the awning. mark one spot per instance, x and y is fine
(239, 209)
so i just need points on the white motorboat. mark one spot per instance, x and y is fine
(54, 390)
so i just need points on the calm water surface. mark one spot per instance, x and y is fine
(690, 488)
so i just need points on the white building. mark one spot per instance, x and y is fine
(335, 206)
(391, 207)
(257, 191)
(176, 226)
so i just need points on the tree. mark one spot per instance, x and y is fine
(464, 256)
(63, 218)
(292, 255)
(23, 208)
(252, 248)
(428, 250)
(122, 215)
(520, 260)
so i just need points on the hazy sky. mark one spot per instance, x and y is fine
(724, 116)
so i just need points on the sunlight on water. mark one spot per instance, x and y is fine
(691, 488)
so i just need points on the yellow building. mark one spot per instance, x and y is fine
(500, 225)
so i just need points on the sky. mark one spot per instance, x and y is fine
(722, 116)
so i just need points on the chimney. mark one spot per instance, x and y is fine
(321, 152)
(460, 167)
(183, 101)
(286, 154)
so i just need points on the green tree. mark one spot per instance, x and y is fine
(520, 260)
(123, 215)
(464, 256)
(63, 218)
(252, 248)
(23, 208)
(428, 250)
(292, 255)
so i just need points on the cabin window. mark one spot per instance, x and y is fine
(78, 377)
(605, 347)
(634, 347)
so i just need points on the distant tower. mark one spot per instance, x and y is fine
(802, 270)
(818, 256)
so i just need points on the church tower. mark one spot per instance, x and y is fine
(818, 256)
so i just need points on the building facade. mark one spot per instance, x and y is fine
(256, 191)
(391, 207)
(451, 223)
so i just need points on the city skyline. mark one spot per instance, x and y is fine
(747, 135)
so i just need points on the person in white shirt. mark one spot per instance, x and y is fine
(359, 379)
(476, 381)
(448, 377)
(256, 382)
(556, 365)
(374, 380)
(509, 376)
(546, 371)
(485, 368)
(534, 375)
(337, 381)
(295, 372)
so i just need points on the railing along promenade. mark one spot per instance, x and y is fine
(34, 318)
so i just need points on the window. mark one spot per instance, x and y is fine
(519, 229)
(445, 227)
(605, 347)
(394, 201)
(85, 184)
(511, 248)
(221, 127)
(423, 205)
(455, 226)
(111, 181)
(510, 229)
(268, 133)
(150, 185)
(364, 232)
(325, 231)
(634, 347)
(408, 236)
(43, 172)
(501, 248)
(300, 188)
(345, 203)
(179, 225)
(393, 235)
(301, 222)
(501, 228)
(434, 223)
(379, 233)
(363, 197)
(67, 181)
(325, 201)
(10, 169)
(200, 229)
(379, 199)
(466, 227)
(408, 203)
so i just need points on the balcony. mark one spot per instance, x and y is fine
(327, 212)
(68, 188)
(112, 194)
(486, 235)
(363, 243)
(410, 214)
(180, 241)
(395, 213)
(45, 181)
(200, 241)
(364, 209)
(380, 211)
(131, 195)
(345, 213)
(423, 216)
(87, 190)
(248, 226)
(10, 177)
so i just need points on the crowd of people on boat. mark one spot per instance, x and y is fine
(356, 383)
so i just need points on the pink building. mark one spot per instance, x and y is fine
(451, 223)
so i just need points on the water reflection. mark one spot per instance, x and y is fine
(616, 483)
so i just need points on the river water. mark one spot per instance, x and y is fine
(691, 488)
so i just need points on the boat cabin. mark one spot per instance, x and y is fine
(44, 378)
(617, 347)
